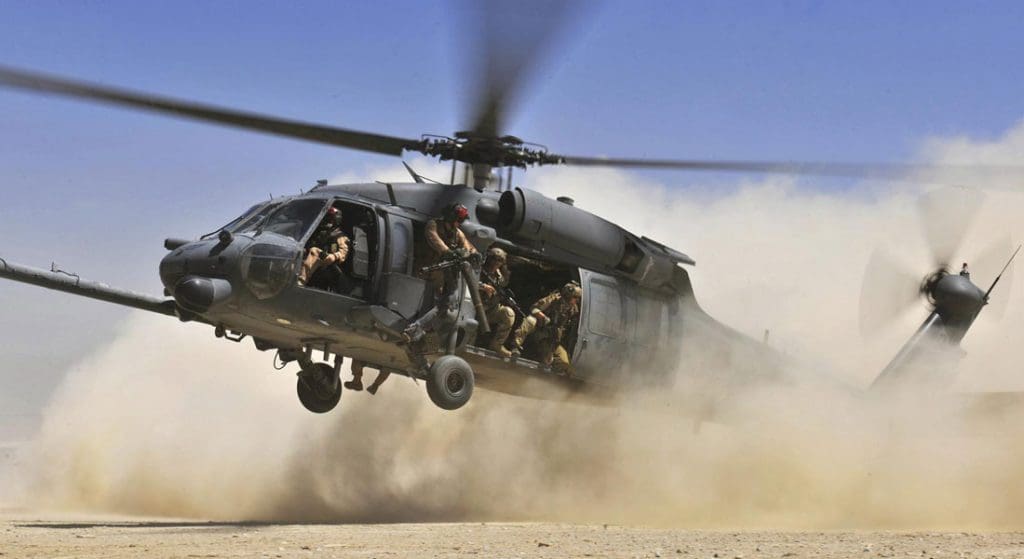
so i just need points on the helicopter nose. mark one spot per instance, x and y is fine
(198, 294)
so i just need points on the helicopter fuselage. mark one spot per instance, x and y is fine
(639, 323)
(243, 282)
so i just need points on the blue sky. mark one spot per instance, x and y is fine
(97, 189)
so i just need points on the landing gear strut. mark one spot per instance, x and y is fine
(319, 387)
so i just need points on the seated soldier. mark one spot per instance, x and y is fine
(494, 278)
(549, 321)
(328, 246)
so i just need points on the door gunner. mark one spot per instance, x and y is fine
(447, 241)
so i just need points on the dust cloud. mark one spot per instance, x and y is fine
(167, 421)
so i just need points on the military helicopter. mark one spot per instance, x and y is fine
(637, 309)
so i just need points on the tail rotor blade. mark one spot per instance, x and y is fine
(946, 216)
(889, 290)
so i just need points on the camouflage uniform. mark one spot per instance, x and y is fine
(442, 237)
(500, 317)
(329, 246)
(560, 312)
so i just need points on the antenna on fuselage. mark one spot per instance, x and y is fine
(415, 176)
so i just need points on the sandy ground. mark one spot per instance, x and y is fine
(27, 535)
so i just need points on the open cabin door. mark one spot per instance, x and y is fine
(606, 313)
(401, 290)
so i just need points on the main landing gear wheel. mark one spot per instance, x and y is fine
(450, 384)
(319, 388)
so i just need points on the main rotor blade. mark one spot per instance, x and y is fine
(911, 172)
(376, 143)
(511, 39)
(946, 215)
(890, 288)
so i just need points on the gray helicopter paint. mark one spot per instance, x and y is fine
(624, 324)
(957, 303)
(549, 230)
(627, 325)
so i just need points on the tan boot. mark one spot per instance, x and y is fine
(500, 350)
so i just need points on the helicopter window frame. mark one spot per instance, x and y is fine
(252, 209)
(606, 316)
(246, 221)
(401, 246)
(308, 223)
(254, 220)
(369, 223)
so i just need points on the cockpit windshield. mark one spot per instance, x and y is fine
(249, 219)
(293, 219)
(253, 220)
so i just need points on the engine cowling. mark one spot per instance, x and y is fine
(562, 230)
(528, 215)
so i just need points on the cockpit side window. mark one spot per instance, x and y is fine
(293, 219)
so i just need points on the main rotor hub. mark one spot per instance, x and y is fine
(468, 147)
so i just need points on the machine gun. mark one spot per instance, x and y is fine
(464, 261)
(504, 294)
(451, 259)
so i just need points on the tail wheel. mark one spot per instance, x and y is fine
(451, 382)
(318, 388)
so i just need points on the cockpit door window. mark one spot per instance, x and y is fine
(400, 246)
(401, 291)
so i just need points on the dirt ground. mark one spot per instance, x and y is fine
(27, 535)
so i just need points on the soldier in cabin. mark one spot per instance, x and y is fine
(329, 245)
(494, 278)
(447, 242)
(549, 321)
